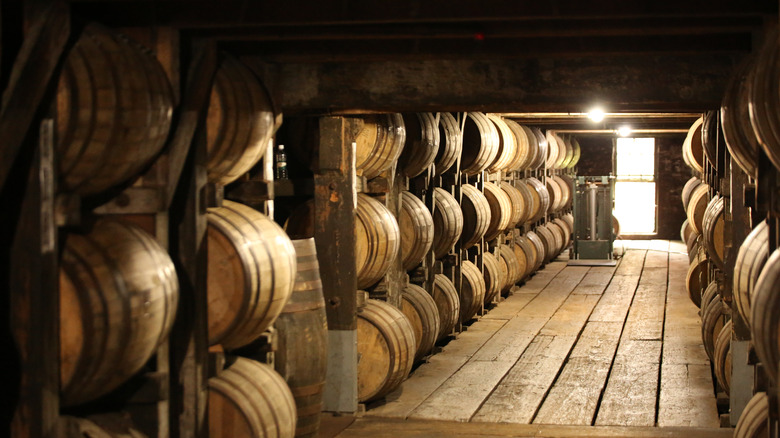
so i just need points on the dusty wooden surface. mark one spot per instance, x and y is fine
(576, 346)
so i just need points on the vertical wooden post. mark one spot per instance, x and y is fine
(334, 233)
(34, 297)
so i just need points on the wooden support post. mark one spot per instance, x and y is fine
(189, 337)
(30, 79)
(34, 297)
(334, 233)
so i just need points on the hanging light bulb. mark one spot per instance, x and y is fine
(624, 131)
(596, 114)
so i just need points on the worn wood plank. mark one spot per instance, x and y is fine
(31, 78)
(615, 301)
(686, 386)
(574, 396)
(393, 428)
(677, 246)
(526, 384)
(508, 308)
(440, 367)
(631, 263)
(595, 281)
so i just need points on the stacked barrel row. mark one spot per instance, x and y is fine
(748, 122)
(118, 285)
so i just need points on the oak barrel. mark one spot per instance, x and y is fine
(251, 273)
(542, 146)
(712, 320)
(447, 222)
(549, 241)
(688, 189)
(556, 194)
(118, 298)
(377, 240)
(450, 143)
(541, 198)
(495, 277)
(741, 141)
(476, 215)
(697, 278)
(511, 264)
(754, 421)
(523, 142)
(518, 210)
(379, 143)
(685, 230)
(420, 308)
(472, 290)
(114, 107)
(500, 210)
(507, 148)
(765, 318)
(577, 151)
(697, 205)
(693, 149)
(751, 257)
(480, 143)
(386, 347)
(712, 231)
(522, 259)
(566, 231)
(302, 340)
(722, 357)
(239, 124)
(416, 227)
(538, 247)
(529, 255)
(447, 302)
(528, 200)
(249, 399)
(560, 235)
(553, 150)
(422, 143)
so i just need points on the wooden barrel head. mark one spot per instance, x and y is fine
(420, 308)
(377, 240)
(480, 143)
(422, 143)
(765, 316)
(448, 304)
(476, 215)
(751, 258)
(722, 358)
(416, 228)
(451, 143)
(447, 222)
(500, 210)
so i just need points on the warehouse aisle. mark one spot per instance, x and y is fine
(578, 346)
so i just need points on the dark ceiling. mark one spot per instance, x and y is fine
(490, 55)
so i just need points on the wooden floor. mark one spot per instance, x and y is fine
(598, 347)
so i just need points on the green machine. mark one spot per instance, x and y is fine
(592, 210)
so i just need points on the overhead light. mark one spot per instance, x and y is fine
(624, 131)
(596, 114)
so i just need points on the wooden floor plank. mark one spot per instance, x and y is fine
(685, 397)
(678, 246)
(521, 392)
(508, 308)
(396, 428)
(614, 303)
(574, 396)
(630, 396)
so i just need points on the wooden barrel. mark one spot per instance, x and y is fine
(377, 240)
(114, 108)
(693, 246)
(480, 144)
(722, 358)
(753, 423)
(507, 146)
(564, 183)
(565, 232)
(422, 143)
(472, 290)
(511, 266)
(685, 230)
(710, 293)
(567, 159)
(495, 278)
(569, 219)
(249, 399)
(697, 278)
(500, 210)
(522, 260)
(379, 143)
(712, 321)
(751, 257)
(447, 222)
(118, 298)
(476, 215)
(386, 347)
(765, 316)
(420, 309)
(710, 129)
(302, 340)
(556, 194)
(741, 141)
(517, 209)
(528, 200)
(697, 205)
(251, 273)
(688, 189)
(560, 236)
(577, 153)
(450, 143)
(712, 231)
(239, 124)
(541, 198)
(553, 150)
(565, 152)
(542, 146)
(615, 226)
(693, 149)
(539, 251)
(447, 303)
(522, 243)
(416, 227)
(524, 139)
(549, 241)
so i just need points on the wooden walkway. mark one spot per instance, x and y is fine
(576, 346)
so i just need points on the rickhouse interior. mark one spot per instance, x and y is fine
(415, 218)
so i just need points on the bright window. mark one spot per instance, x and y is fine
(635, 206)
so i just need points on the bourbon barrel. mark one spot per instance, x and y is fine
(416, 227)
(447, 222)
(420, 308)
